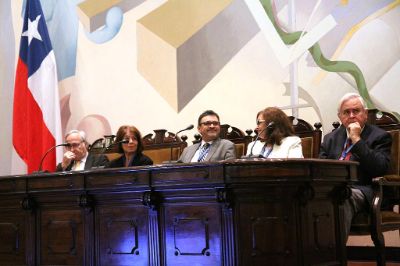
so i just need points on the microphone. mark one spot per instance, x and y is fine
(124, 141)
(176, 135)
(187, 128)
(269, 128)
(44, 156)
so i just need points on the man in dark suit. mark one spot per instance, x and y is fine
(358, 141)
(76, 157)
(211, 147)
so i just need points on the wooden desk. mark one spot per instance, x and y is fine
(264, 212)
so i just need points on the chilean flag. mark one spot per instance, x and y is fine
(36, 114)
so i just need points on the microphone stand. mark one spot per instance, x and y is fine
(40, 171)
(176, 137)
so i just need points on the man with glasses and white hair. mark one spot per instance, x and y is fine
(77, 157)
(211, 147)
(356, 140)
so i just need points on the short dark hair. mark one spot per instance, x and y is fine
(282, 125)
(121, 135)
(206, 113)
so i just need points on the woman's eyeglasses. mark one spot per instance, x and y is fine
(258, 122)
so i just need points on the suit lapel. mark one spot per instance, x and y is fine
(89, 162)
(341, 139)
(191, 152)
(213, 149)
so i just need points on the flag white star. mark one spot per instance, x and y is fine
(32, 31)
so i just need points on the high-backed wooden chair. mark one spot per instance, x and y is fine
(310, 137)
(386, 187)
(234, 134)
(163, 147)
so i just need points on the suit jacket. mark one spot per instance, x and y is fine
(220, 149)
(372, 152)
(138, 160)
(289, 148)
(92, 161)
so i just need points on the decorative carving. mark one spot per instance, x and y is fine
(224, 196)
(129, 225)
(151, 199)
(262, 226)
(86, 201)
(11, 231)
(317, 222)
(28, 203)
(340, 193)
(305, 193)
(55, 246)
(191, 227)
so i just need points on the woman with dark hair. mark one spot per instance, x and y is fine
(277, 135)
(131, 150)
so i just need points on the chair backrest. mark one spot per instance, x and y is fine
(310, 137)
(163, 147)
(391, 124)
(234, 134)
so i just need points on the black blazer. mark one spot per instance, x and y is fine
(138, 160)
(92, 161)
(372, 152)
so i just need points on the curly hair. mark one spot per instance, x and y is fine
(282, 127)
(121, 133)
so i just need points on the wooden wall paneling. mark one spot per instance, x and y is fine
(266, 225)
(256, 212)
(13, 232)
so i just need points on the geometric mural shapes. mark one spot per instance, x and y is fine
(111, 28)
(183, 44)
(92, 13)
(284, 54)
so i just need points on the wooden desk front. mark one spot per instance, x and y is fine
(263, 212)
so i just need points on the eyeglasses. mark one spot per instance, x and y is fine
(73, 145)
(127, 138)
(209, 123)
(348, 112)
(258, 122)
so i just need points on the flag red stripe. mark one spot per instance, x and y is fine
(31, 137)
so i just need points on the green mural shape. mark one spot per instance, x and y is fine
(320, 59)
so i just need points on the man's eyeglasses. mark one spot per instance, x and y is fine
(209, 123)
(73, 145)
(348, 112)
(258, 122)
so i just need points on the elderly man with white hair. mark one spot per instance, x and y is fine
(76, 156)
(356, 140)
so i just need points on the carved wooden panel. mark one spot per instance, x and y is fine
(122, 235)
(267, 233)
(319, 241)
(12, 238)
(61, 237)
(193, 233)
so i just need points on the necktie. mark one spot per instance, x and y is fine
(203, 152)
(77, 165)
(346, 153)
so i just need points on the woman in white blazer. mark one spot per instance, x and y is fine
(276, 136)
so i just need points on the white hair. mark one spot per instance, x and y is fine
(81, 133)
(348, 96)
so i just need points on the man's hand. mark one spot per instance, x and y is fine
(354, 130)
(68, 157)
